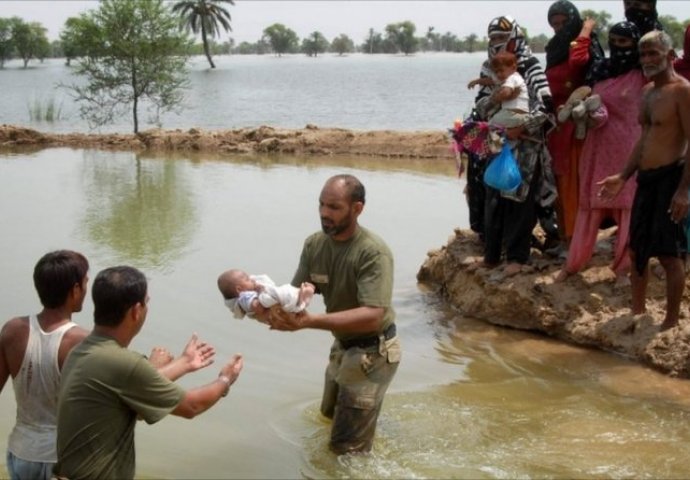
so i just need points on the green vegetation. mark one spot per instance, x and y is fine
(205, 16)
(210, 18)
(402, 36)
(6, 40)
(282, 39)
(342, 44)
(45, 111)
(25, 40)
(314, 44)
(127, 63)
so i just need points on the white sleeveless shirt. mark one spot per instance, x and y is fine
(36, 387)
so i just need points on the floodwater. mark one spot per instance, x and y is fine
(469, 401)
(369, 92)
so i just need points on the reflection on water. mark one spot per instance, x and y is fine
(141, 210)
(469, 400)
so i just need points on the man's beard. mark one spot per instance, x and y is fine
(653, 70)
(333, 229)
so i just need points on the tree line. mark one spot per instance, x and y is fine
(208, 18)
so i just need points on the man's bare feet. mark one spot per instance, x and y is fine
(659, 272)
(622, 281)
(667, 325)
(562, 276)
(473, 267)
(512, 269)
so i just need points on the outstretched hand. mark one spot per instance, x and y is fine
(198, 354)
(160, 357)
(233, 368)
(610, 187)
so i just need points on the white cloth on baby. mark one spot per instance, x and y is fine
(271, 294)
(521, 102)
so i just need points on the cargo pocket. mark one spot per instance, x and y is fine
(393, 350)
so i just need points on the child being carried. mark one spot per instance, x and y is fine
(253, 294)
(510, 91)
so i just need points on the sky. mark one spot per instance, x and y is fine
(353, 17)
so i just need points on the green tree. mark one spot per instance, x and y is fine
(281, 38)
(451, 43)
(131, 56)
(75, 26)
(29, 39)
(471, 42)
(538, 43)
(674, 28)
(373, 42)
(205, 16)
(342, 44)
(314, 44)
(402, 36)
(6, 41)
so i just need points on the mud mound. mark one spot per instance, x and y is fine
(588, 308)
(310, 140)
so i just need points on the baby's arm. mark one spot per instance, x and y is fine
(306, 292)
(505, 93)
(481, 81)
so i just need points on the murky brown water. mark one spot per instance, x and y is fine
(469, 400)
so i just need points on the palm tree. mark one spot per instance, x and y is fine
(206, 16)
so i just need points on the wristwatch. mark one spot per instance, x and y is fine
(226, 380)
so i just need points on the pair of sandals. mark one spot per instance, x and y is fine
(579, 106)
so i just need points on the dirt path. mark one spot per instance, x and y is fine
(310, 140)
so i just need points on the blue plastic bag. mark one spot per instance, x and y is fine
(503, 172)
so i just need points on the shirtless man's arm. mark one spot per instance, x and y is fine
(679, 204)
(665, 120)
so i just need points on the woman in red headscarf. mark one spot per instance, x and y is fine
(682, 65)
(569, 54)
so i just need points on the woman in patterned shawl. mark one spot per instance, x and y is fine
(506, 35)
(509, 218)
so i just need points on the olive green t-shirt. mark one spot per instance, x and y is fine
(104, 388)
(355, 273)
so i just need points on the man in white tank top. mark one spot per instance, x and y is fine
(32, 351)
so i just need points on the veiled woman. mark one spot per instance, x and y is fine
(614, 131)
(569, 55)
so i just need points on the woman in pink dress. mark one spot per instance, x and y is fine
(613, 130)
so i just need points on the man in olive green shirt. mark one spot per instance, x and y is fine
(105, 387)
(353, 269)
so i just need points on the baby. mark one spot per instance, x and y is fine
(510, 91)
(251, 294)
